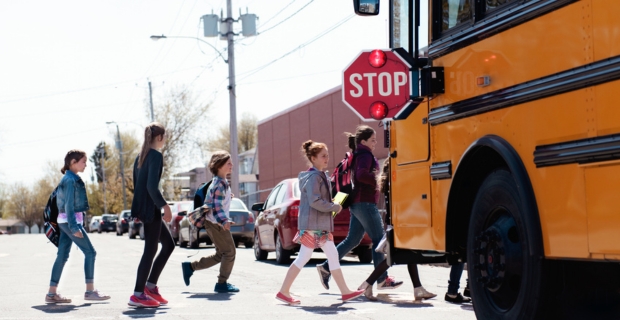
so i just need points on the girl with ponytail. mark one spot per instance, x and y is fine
(72, 203)
(315, 223)
(365, 216)
(146, 206)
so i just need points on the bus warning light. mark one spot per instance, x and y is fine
(377, 58)
(378, 110)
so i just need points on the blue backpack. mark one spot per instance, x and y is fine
(201, 194)
(50, 217)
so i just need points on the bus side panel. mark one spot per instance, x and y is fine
(559, 190)
(529, 51)
(603, 200)
(411, 201)
(607, 108)
(606, 30)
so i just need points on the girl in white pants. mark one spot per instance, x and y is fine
(315, 223)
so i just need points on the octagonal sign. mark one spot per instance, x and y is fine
(377, 85)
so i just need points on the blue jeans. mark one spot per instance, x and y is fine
(64, 247)
(455, 277)
(364, 218)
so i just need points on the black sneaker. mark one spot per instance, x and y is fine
(187, 272)
(466, 292)
(457, 298)
(324, 276)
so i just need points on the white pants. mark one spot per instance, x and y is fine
(329, 248)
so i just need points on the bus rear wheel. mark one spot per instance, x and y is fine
(505, 275)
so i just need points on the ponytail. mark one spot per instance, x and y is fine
(74, 154)
(362, 132)
(312, 149)
(151, 132)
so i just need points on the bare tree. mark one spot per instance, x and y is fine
(3, 199)
(41, 193)
(247, 135)
(22, 206)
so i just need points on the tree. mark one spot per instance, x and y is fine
(22, 206)
(247, 135)
(3, 199)
(42, 190)
(185, 122)
(102, 150)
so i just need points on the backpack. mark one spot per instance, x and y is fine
(342, 178)
(201, 194)
(50, 218)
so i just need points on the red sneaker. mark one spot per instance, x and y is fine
(142, 301)
(290, 301)
(154, 293)
(352, 295)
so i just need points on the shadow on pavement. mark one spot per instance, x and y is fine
(210, 296)
(467, 307)
(333, 309)
(144, 312)
(61, 308)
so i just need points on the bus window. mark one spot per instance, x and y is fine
(400, 24)
(455, 12)
(493, 4)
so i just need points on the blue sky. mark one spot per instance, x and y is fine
(70, 66)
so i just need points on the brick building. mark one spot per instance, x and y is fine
(323, 118)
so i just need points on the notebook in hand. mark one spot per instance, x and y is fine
(339, 199)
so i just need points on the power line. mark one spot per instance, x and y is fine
(67, 110)
(275, 15)
(51, 138)
(253, 71)
(294, 77)
(285, 19)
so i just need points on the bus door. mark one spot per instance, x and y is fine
(411, 181)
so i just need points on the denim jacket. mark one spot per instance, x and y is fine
(71, 198)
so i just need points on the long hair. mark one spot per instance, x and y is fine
(384, 177)
(218, 160)
(74, 154)
(362, 132)
(152, 131)
(312, 149)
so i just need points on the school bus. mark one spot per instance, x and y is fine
(511, 162)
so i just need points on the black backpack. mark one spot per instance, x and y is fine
(50, 217)
(342, 178)
(201, 194)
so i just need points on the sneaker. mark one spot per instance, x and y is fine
(324, 276)
(466, 291)
(290, 301)
(56, 298)
(154, 294)
(188, 271)
(368, 293)
(142, 301)
(420, 294)
(456, 298)
(352, 295)
(95, 295)
(389, 283)
(225, 288)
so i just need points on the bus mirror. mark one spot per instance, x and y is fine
(366, 7)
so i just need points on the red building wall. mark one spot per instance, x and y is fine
(323, 118)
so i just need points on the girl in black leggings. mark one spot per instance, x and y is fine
(146, 206)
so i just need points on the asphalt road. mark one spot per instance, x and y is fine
(26, 263)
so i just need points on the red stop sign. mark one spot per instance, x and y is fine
(377, 85)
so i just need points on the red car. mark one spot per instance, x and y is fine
(276, 225)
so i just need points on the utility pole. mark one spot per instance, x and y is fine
(233, 100)
(151, 98)
(102, 162)
(119, 145)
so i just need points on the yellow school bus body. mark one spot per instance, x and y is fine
(578, 204)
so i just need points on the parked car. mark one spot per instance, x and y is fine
(179, 209)
(135, 228)
(242, 230)
(276, 225)
(108, 222)
(3, 232)
(94, 224)
(122, 222)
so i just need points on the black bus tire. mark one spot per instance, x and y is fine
(505, 276)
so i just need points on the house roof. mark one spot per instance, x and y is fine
(10, 223)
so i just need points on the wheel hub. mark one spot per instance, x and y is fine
(491, 261)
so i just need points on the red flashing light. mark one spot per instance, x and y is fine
(377, 58)
(378, 110)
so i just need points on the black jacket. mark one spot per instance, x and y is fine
(147, 199)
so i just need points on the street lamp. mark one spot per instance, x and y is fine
(119, 145)
(232, 96)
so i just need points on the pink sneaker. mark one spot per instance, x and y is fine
(154, 294)
(143, 301)
(290, 301)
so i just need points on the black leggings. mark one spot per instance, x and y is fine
(154, 232)
(383, 266)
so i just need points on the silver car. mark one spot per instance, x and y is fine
(242, 230)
